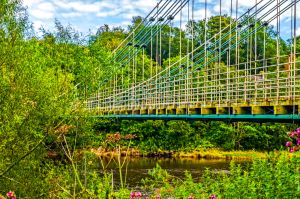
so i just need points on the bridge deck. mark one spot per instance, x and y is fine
(230, 118)
(283, 111)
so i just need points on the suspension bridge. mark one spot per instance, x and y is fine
(237, 73)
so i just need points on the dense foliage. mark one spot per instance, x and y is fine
(43, 81)
(154, 136)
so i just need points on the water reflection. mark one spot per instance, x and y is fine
(138, 167)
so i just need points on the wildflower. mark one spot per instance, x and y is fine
(288, 144)
(292, 149)
(131, 195)
(134, 195)
(9, 194)
(213, 196)
(158, 196)
(138, 194)
(292, 134)
(14, 197)
(298, 130)
(298, 141)
(191, 197)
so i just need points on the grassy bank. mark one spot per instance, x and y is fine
(213, 153)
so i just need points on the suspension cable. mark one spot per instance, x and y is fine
(270, 20)
(224, 35)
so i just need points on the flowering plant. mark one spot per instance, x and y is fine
(294, 144)
(9, 194)
(134, 195)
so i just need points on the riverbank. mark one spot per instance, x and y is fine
(202, 178)
(197, 154)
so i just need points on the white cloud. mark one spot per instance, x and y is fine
(71, 14)
(298, 31)
(30, 3)
(94, 13)
(39, 14)
(78, 6)
(43, 10)
(109, 13)
(146, 6)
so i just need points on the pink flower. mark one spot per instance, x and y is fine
(158, 196)
(138, 194)
(131, 195)
(134, 195)
(213, 196)
(288, 144)
(292, 134)
(9, 194)
(298, 141)
(292, 149)
(14, 197)
(191, 197)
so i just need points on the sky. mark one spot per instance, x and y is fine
(88, 15)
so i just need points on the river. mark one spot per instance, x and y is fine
(138, 168)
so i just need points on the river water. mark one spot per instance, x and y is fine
(138, 168)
